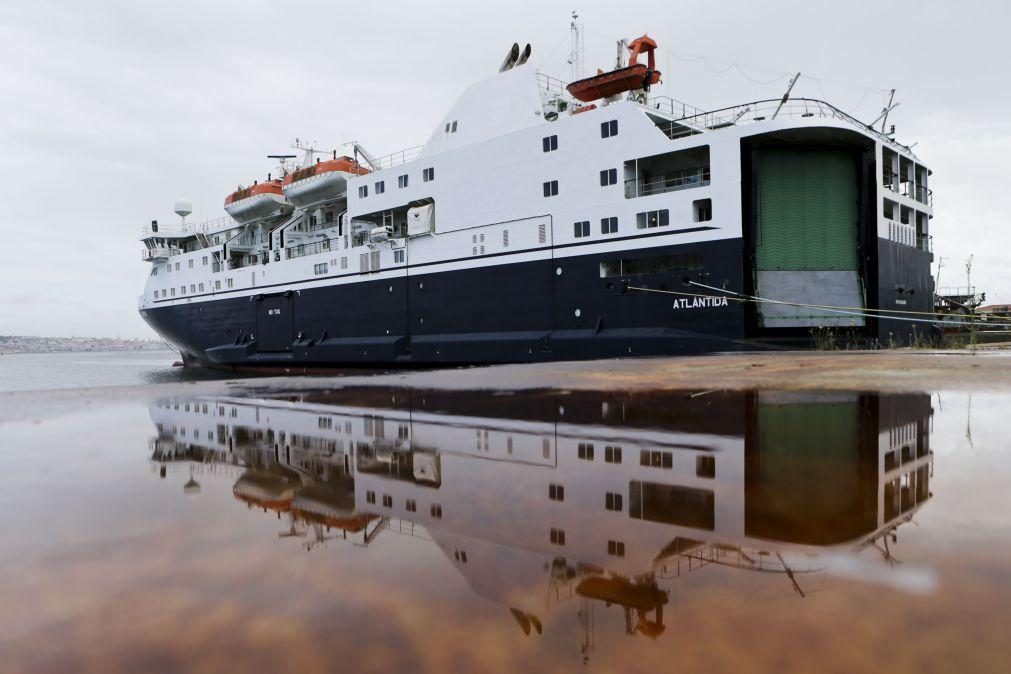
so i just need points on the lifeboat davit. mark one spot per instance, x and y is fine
(320, 182)
(633, 76)
(256, 202)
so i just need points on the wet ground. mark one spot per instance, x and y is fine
(776, 512)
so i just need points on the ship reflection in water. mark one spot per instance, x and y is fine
(579, 503)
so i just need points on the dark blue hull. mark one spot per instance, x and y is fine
(517, 312)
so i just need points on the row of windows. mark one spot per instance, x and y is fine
(168, 266)
(582, 228)
(705, 466)
(410, 504)
(608, 177)
(614, 548)
(607, 130)
(658, 264)
(427, 175)
(194, 288)
(320, 269)
(612, 453)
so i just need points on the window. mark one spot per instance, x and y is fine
(705, 466)
(612, 501)
(551, 188)
(616, 548)
(370, 497)
(656, 459)
(453, 128)
(168, 268)
(650, 219)
(387, 501)
(380, 187)
(550, 144)
(229, 282)
(585, 451)
(190, 262)
(612, 454)
(402, 181)
(505, 238)
(320, 269)
(177, 266)
(182, 290)
(608, 129)
(660, 264)
(581, 228)
(156, 294)
(217, 284)
(205, 260)
(398, 256)
(411, 505)
(344, 263)
(557, 536)
(703, 210)
(428, 175)
(556, 492)
(608, 177)
(201, 287)
(608, 225)
(328, 216)
(193, 288)
(436, 511)
(173, 292)
(363, 191)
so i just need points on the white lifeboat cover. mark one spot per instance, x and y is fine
(420, 220)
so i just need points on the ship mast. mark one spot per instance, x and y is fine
(576, 53)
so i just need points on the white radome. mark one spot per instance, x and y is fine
(183, 207)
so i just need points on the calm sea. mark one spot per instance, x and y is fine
(50, 371)
(207, 528)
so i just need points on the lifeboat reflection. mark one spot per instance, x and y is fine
(601, 499)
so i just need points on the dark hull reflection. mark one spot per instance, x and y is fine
(545, 498)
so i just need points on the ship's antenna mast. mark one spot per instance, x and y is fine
(576, 54)
(884, 119)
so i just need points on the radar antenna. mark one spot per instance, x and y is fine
(183, 207)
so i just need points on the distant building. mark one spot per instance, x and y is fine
(995, 313)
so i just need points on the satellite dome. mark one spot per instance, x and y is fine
(183, 207)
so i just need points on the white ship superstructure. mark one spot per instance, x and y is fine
(533, 225)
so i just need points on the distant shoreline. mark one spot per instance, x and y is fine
(13, 344)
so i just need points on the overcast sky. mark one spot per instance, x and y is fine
(111, 109)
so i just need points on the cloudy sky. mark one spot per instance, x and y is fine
(111, 109)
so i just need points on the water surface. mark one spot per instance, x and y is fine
(383, 529)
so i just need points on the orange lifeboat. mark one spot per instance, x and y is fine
(256, 202)
(633, 76)
(320, 182)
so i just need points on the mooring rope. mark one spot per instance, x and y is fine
(848, 311)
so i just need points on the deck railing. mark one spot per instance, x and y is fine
(303, 249)
(775, 108)
(399, 157)
(697, 177)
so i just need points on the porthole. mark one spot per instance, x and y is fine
(558, 271)
(578, 313)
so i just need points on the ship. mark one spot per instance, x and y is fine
(546, 221)
(571, 502)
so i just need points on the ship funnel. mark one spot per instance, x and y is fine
(510, 59)
(524, 56)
